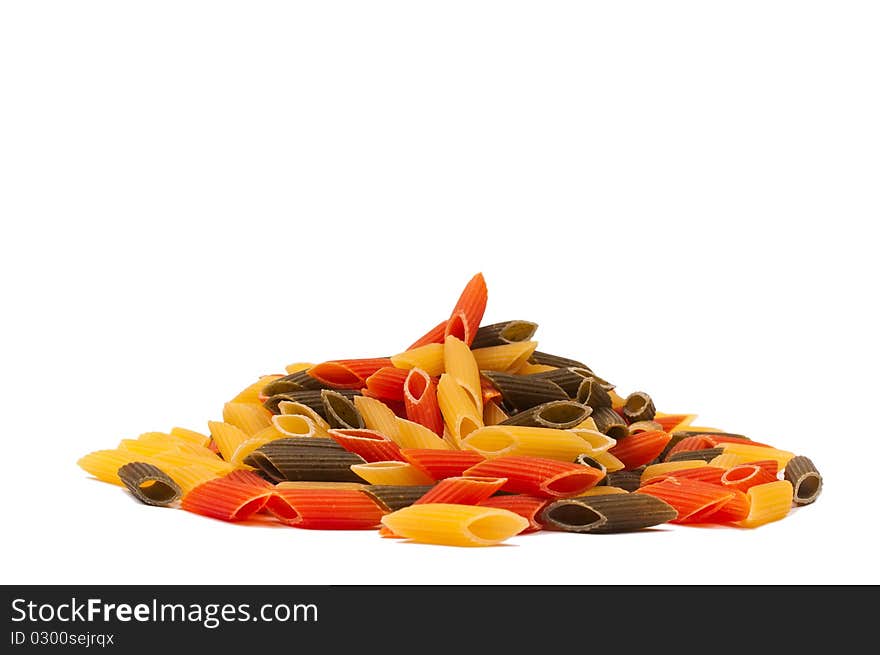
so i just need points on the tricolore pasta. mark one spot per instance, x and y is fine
(468, 436)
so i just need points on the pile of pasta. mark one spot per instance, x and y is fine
(468, 437)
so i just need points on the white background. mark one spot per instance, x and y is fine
(684, 195)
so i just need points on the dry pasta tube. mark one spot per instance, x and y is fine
(455, 525)
(768, 502)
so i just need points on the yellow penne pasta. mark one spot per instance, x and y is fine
(493, 414)
(428, 358)
(400, 473)
(597, 441)
(587, 424)
(768, 502)
(459, 413)
(703, 428)
(653, 470)
(174, 458)
(508, 358)
(602, 491)
(378, 416)
(103, 464)
(687, 420)
(461, 366)
(609, 461)
(321, 425)
(144, 448)
(499, 440)
(454, 525)
(261, 438)
(191, 435)
(227, 437)
(191, 476)
(414, 435)
(251, 393)
(296, 367)
(192, 450)
(755, 453)
(727, 460)
(248, 417)
(294, 425)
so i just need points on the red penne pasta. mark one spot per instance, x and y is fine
(529, 507)
(537, 476)
(735, 508)
(671, 421)
(369, 444)
(395, 406)
(463, 490)
(688, 497)
(387, 383)
(710, 474)
(325, 509)
(420, 400)
(234, 497)
(468, 311)
(435, 335)
(347, 373)
(696, 442)
(641, 448)
(440, 464)
(744, 476)
(719, 439)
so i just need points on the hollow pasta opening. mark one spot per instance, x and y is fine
(335, 374)
(157, 490)
(518, 331)
(563, 413)
(416, 384)
(575, 515)
(739, 473)
(294, 425)
(466, 426)
(265, 464)
(808, 486)
(569, 483)
(491, 441)
(495, 527)
(252, 506)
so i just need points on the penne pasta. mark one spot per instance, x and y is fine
(667, 468)
(420, 400)
(394, 497)
(429, 358)
(459, 412)
(768, 502)
(289, 408)
(805, 479)
(325, 508)
(520, 392)
(378, 417)
(499, 334)
(228, 437)
(340, 411)
(556, 361)
(105, 464)
(368, 444)
(610, 422)
(638, 406)
(387, 383)
(440, 464)
(526, 506)
(463, 490)
(753, 453)
(305, 458)
(640, 449)
(455, 525)
(538, 476)
(149, 484)
(500, 440)
(461, 367)
(391, 473)
(347, 373)
(493, 414)
(507, 358)
(557, 414)
(249, 418)
(251, 393)
(433, 336)
(415, 435)
(468, 311)
(607, 513)
(295, 425)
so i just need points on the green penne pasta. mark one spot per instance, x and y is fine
(610, 423)
(310, 397)
(316, 459)
(638, 406)
(570, 379)
(522, 392)
(607, 514)
(340, 411)
(559, 414)
(393, 497)
(805, 479)
(592, 393)
(705, 454)
(499, 334)
(555, 360)
(629, 480)
(149, 484)
(298, 381)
